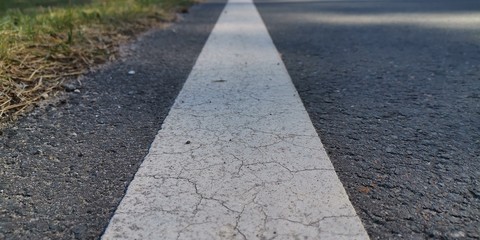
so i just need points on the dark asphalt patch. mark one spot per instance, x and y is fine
(64, 169)
(397, 107)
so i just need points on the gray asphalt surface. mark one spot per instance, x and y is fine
(393, 89)
(64, 168)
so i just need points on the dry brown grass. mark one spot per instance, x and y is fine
(54, 45)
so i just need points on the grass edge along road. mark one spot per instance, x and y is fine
(42, 47)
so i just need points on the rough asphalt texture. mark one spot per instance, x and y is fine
(63, 170)
(397, 106)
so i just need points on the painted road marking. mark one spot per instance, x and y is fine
(237, 156)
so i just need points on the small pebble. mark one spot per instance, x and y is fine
(76, 90)
(458, 234)
(69, 87)
(131, 72)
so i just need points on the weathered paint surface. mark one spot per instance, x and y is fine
(237, 157)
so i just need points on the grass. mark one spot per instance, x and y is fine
(46, 42)
(25, 4)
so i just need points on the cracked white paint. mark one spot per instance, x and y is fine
(237, 156)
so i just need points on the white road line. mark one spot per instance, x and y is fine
(237, 156)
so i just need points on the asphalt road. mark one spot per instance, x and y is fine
(65, 167)
(393, 89)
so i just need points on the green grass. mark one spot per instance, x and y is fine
(29, 4)
(43, 43)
